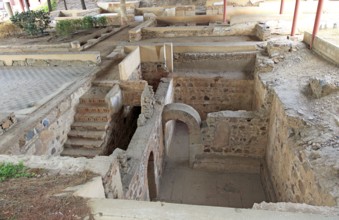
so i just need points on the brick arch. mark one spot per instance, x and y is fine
(188, 115)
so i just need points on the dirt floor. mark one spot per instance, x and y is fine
(32, 198)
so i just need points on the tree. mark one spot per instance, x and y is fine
(49, 4)
(123, 13)
(83, 5)
(65, 4)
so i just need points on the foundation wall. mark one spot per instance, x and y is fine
(215, 61)
(197, 31)
(236, 133)
(147, 138)
(291, 175)
(213, 94)
(153, 72)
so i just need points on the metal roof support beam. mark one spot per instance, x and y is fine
(317, 21)
(224, 17)
(281, 7)
(295, 17)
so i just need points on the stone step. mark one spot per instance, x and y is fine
(96, 108)
(96, 135)
(92, 117)
(83, 143)
(93, 126)
(104, 83)
(92, 100)
(81, 152)
(95, 95)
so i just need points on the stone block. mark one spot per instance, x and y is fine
(323, 87)
(264, 64)
(279, 48)
(263, 31)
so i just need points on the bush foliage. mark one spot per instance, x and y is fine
(67, 27)
(32, 22)
(10, 170)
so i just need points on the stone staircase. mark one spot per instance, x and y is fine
(89, 132)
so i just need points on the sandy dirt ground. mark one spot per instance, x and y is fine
(33, 198)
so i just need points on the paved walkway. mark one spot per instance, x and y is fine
(182, 184)
(27, 87)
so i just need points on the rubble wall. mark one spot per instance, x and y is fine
(147, 138)
(213, 94)
(291, 174)
(236, 133)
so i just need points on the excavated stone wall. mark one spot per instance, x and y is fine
(211, 62)
(152, 72)
(291, 175)
(236, 133)
(147, 138)
(124, 124)
(213, 94)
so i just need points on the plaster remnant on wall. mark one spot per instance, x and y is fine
(147, 105)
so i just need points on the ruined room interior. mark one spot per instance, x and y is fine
(192, 110)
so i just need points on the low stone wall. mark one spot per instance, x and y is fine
(135, 34)
(324, 48)
(179, 10)
(114, 6)
(218, 61)
(75, 13)
(238, 133)
(197, 31)
(213, 94)
(147, 138)
(291, 173)
(50, 59)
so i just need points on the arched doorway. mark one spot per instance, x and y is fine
(188, 115)
(178, 148)
(152, 187)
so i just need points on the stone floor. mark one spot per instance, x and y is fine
(182, 184)
(29, 87)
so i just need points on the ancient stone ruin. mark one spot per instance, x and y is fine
(184, 114)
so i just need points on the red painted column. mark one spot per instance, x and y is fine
(295, 17)
(225, 5)
(281, 7)
(317, 21)
(21, 3)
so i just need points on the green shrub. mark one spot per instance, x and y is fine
(88, 22)
(10, 170)
(102, 21)
(32, 22)
(67, 27)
